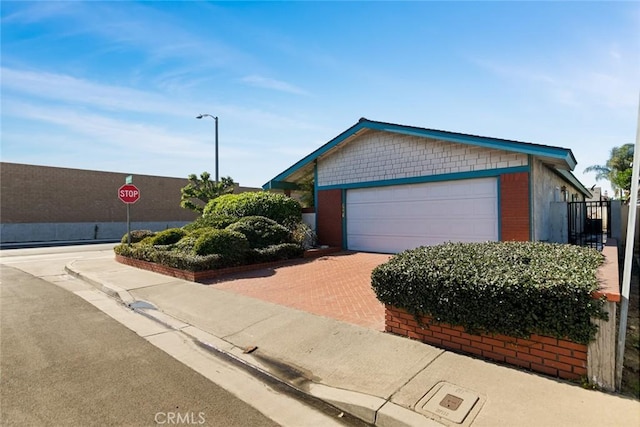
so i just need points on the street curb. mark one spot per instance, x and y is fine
(371, 409)
(116, 292)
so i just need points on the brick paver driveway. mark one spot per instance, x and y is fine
(336, 286)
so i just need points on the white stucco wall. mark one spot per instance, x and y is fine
(378, 155)
(546, 189)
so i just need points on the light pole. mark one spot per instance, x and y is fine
(216, 120)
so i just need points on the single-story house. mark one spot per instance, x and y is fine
(384, 187)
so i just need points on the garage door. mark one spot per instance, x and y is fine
(392, 219)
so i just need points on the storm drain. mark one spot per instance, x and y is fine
(449, 401)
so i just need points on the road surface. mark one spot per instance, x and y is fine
(64, 362)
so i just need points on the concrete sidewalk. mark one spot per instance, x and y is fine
(383, 379)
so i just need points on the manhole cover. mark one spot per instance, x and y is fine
(451, 402)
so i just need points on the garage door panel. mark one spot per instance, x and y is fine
(391, 219)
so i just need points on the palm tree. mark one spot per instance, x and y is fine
(617, 170)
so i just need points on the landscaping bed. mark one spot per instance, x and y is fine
(529, 304)
(206, 275)
(236, 232)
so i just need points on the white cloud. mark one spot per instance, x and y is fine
(268, 83)
(605, 78)
(64, 88)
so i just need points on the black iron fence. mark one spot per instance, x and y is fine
(589, 223)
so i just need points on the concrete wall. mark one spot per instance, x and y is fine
(377, 155)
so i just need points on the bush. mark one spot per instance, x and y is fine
(261, 231)
(186, 244)
(166, 237)
(182, 261)
(510, 288)
(137, 235)
(212, 221)
(272, 253)
(278, 207)
(231, 245)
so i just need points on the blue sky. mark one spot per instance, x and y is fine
(116, 86)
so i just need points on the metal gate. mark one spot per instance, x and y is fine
(589, 223)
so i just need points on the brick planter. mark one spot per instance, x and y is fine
(200, 276)
(547, 355)
(551, 356)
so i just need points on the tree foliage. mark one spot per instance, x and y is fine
(202, 189)
(617, 170)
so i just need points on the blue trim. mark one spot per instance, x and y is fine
(315, 193)
(482, 141)
(531, 199)
(431, 178)
(320, 151)
(571, 179)
(499, 199)
(559, 153)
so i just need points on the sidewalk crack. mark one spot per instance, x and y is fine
(249, 326)
(415, 375)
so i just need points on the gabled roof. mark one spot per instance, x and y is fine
(560, 158)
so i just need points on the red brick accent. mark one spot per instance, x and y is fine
(514, 206)
(329, 217)
(547, 355)
(201, 276)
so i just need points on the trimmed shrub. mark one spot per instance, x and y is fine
(186, 244)
(167, 237)
(182, 261)
(278, 207)
(137, 235)
(213, 221)
(509, 288)
(231, 245)
(272, 253)
(261, 231)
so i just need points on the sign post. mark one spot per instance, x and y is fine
(129, 194)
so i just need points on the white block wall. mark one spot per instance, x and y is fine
(376, 156)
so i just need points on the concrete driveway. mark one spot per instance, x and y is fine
(336, 286)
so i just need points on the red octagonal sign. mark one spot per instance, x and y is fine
(129, 193)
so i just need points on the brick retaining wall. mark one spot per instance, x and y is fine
(547, 355)
(200, 276)
(551, 356)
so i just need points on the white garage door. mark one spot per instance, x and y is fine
(392, 219)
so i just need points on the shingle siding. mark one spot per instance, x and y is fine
(376, 156)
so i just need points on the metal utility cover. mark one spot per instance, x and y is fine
(451, 402)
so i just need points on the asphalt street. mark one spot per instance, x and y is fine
(63, 362)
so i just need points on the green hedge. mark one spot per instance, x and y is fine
(166, 237)
(278, 207)
(510, 288)
(212, 221)
(261, 231)
(231, 245)
(182, 261)
(272, 253)
(137, 235)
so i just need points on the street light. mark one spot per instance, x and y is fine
(216, 119)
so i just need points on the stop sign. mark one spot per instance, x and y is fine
(129, 193)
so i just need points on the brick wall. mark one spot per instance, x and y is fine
(514, 206)
(329, 217)
(551, 356)
(41, 194)
(377, 155)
